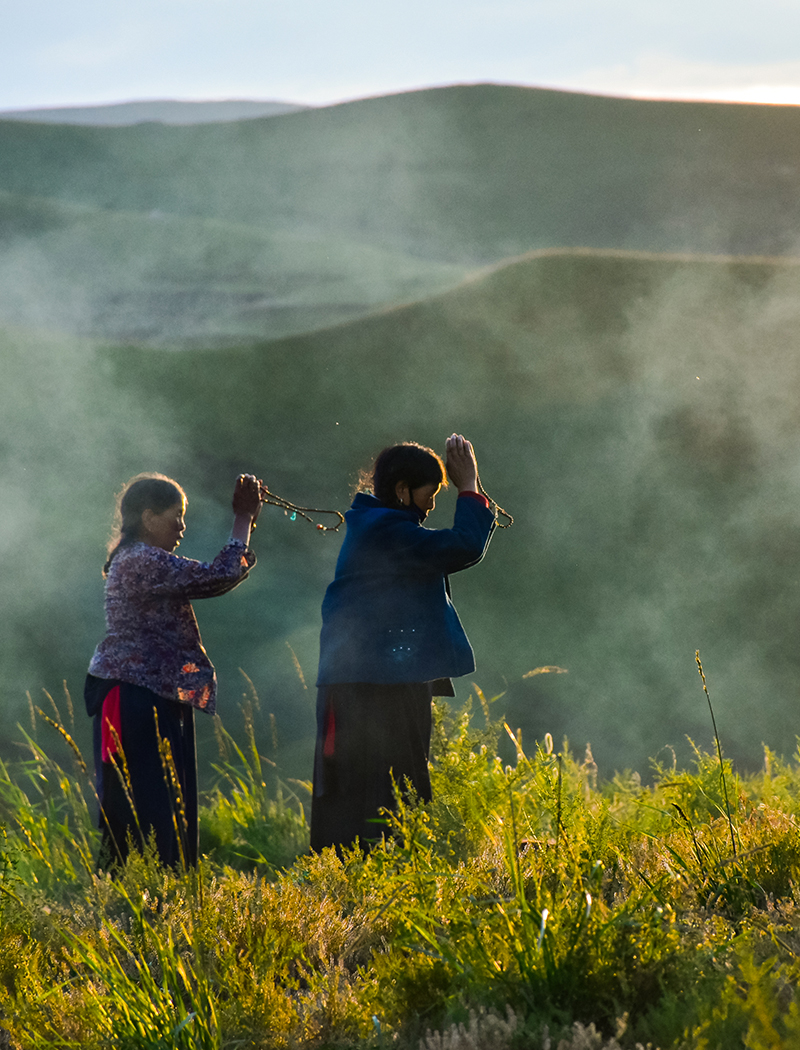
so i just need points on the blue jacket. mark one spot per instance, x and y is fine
(387, 617)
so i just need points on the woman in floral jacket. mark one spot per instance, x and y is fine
(151, 671)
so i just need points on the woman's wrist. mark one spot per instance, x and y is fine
(479, 496)
(242, 527)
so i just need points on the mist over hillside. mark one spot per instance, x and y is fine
(184, 228)
(520, 265)
(635, 413)
(172, 281)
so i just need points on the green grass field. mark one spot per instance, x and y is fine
(532, 904)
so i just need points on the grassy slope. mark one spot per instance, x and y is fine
(635, 413)
(461, 173)
(529, 902)
(167, 279)
(262, 228)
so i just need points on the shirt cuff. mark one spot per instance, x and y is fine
(475, 495)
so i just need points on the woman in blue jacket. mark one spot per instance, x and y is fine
(391, 638)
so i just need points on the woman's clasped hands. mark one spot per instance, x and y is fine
(462, 467)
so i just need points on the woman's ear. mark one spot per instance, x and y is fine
(403, 493)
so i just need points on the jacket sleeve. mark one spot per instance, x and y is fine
(167, 575)
(413, 548)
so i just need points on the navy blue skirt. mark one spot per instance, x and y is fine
(369, 739)
(148, 788)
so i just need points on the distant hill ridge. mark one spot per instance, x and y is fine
(248, 227)
(461, 174)
(160, 111)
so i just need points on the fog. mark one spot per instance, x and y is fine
(636, 413)
(677, 527)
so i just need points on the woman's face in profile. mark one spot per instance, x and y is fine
(424, 498)
(163, 529)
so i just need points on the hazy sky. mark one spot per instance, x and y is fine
(317, 51)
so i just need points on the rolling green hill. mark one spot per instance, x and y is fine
(464, 173)
(173, 280)
(635, 412)
(460, 176)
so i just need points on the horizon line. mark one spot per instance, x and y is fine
(719, 97)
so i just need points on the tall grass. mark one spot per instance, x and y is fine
(528, 905)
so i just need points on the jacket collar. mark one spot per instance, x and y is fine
(366, 501)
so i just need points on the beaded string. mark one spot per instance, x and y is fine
(304, 512)
(497, 508)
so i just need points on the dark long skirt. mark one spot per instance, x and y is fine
(145, 794)
(369, 738)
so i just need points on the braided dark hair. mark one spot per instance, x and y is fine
(154, 492)
(415, 464)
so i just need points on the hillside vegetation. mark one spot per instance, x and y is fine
(458, 176)
(187, 280)
(473, 173)
(635, 413)
(529, 905)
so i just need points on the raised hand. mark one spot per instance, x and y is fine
(247, 496)
(462, 467)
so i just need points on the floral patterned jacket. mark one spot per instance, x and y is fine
(152, 638)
